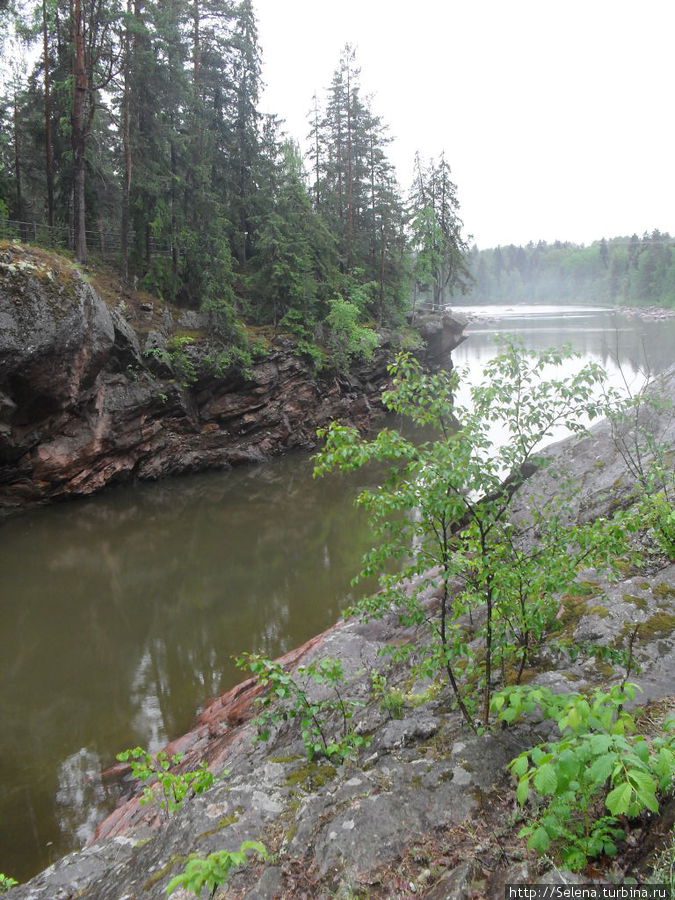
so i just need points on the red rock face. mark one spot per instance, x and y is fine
(81, 407)
(214, 732)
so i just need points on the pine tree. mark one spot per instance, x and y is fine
(436, 228)
(355, 191)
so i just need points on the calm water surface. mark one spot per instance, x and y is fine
(120, 614)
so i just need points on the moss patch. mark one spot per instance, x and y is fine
(623, 565)
(425, 696)
(640, 602)
(659, 625)
(573, 609)
(664, 591)
(311, 776)
(601, 611)
(163, 871)
(225, 822)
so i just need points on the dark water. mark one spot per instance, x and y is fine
(120, 614)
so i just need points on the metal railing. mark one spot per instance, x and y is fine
(102, 242)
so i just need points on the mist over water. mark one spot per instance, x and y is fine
(121, 613)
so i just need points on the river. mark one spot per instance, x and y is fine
(121, 613)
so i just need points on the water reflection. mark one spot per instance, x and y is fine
(80, 794)
(606, 336)
(121, 615)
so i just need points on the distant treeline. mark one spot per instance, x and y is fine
(623, 270)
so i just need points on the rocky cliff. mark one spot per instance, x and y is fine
(89, 395)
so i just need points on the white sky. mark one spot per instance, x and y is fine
(556, 117)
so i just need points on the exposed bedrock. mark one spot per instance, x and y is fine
(82, 404)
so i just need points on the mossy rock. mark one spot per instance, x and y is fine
(658, 626)
(163, 871)
(640, 602)
(224, 822)
(664, 591)
(311, 776)
(601, 611)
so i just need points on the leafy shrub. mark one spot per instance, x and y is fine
(286, 698)
(646, 457)
(347, 339)
(5, 881)
(177, 357)
(659, 513)
(444, 507)
(391, 700)
(598, 766)
(175, 786)
(213, 870)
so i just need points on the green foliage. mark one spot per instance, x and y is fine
(6, 883)
(213, 870)
(210, 195)
(178, 358)
(659, 514)
(598, 765)
(621, 656)
(298, 325)
(355, 192)
(287, 697)
(647, 458)
(391, 700)
(443, 512)
(437, 241)
(160, 279)
(347, 339)
(221, 362)
(175, 786)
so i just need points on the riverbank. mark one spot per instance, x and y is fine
(648, 312)
(428, 808)
(102, 386)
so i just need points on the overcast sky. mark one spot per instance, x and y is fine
(556, 117)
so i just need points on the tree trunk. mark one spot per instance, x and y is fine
(17, 169)
(196, 45)
(174, 219)
(126, 141)
(49, 144)
(79, 132)
(350, 173)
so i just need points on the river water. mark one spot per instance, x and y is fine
(121, 613)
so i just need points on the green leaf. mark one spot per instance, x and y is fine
(601, 768)
(569, 765)
(539, 840)
(618, 801)
(519, 765)
(545, 779)
(600, 743)
(523, 790)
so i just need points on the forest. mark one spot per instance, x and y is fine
(623, 270)
(130, 131)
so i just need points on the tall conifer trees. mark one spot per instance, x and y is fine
(355, 191)
(139, 131)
